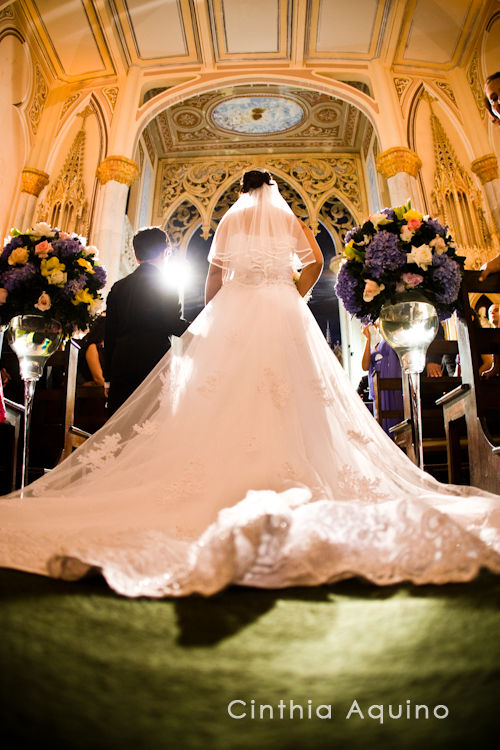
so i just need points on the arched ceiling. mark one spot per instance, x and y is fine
(173, 41)
(89, 38)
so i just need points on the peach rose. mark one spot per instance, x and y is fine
(44, 302)
(43, 249)
(438, 244)
(413, 224)
(371, 290)
(3, 295)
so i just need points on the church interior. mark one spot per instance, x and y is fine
(123, 114)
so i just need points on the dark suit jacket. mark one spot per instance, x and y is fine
(141, 315)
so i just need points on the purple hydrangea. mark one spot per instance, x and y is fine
(389, 212)
(438, 228)
(345, 288)
(65, 248)
(100, 276)
(74, 286)
(18, 241)
(13, 278)
(350, 234)
(447, 273)
(384, 254)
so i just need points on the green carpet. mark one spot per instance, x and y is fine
(85, 668)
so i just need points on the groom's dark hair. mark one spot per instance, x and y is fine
(149, 243)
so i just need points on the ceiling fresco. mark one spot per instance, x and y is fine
(257, 114)
(291, 119)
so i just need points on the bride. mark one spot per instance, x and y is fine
(247, 457)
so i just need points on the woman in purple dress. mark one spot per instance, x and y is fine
(383, 360)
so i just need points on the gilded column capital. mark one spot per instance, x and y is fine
(398, 159)
(486, 168)
(117, 168)
(33, 181)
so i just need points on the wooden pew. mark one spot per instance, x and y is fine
(475, 404)
(434, 440)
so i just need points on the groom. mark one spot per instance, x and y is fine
(141, 315)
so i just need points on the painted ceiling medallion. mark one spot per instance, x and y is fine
(257, 114)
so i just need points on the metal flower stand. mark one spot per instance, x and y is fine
(33, 338)
(409, 327)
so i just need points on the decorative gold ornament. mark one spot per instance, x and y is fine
(456, 201)
(67, 104)
(445, 87)
(202, 182)
(486, 168)
(111, 94)
(65, 204)
(476, 83)
(401, 84)
(41, 91)
(33, 181)
(6, 13)
(398, 159)
(117, 168)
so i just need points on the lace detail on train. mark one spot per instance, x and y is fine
(103, 452)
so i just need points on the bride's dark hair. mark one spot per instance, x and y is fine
(254, 178)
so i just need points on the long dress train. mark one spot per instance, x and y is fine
(247, 458)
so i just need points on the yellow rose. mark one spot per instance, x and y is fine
(412, 214)
(18, 257)
(49, 265)
(85, 264)
(83, 297)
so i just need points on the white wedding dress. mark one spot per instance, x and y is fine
(247, 458)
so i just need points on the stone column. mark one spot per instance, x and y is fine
(33, 182)
(400, 165)
(116, 174)
(486, 168)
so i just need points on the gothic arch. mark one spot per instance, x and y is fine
(69, 199)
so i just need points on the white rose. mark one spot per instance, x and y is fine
(379, 218)
(96, 307)
(89, 251)
(366, 239)
(58, 278)
(406, 234)
(422, 256)
(438, 244)
(42, 228)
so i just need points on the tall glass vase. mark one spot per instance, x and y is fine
(33, 338)
(409, 326)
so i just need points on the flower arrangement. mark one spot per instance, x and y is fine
(395, 251)
(48, 272)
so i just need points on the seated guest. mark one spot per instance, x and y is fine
(91, 355)
(491, 362)
(385, 361)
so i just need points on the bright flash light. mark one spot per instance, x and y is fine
(177, 273)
